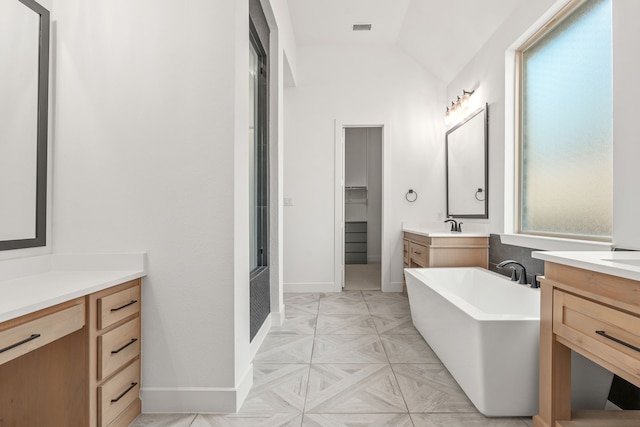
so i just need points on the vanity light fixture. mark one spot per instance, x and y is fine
(459, 106)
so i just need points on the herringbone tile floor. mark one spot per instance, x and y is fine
(346, 359)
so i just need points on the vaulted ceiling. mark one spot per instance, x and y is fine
(442, 35)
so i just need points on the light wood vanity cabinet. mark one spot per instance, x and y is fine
(597, 315)
(446, 251)
(423, 251)
(73, 364)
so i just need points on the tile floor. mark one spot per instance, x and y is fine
(362, 277)
(346, 359)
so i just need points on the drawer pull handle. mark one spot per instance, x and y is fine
(24, 341)
(124, 392)
(417, 253)
(604, 334)
(133, 301)
(124, 346)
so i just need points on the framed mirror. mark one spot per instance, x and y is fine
(24, 87)
(467, 167)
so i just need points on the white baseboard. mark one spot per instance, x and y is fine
(257, 341)
(243, 389)
(277, 317)
(201, 400)
(394, 287)
(311, 287)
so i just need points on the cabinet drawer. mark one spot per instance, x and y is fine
(32, 334)
(355, 247)
(355, 238)
(115, 307)
(607, 333)
(355, 227)
(118, 393)
(419, 254)
(117, 347)
(355, 258)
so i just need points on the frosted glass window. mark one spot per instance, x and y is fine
(567, 130)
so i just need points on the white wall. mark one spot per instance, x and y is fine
(277, 12)
(151, 155)
(626, 149)
(357, 85)
(486, 73)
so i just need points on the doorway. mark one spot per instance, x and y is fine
(362, 208)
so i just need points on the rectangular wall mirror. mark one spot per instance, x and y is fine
(467, 167)
(24, 85)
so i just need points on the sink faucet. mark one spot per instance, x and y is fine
(514, 277)
(454, 225)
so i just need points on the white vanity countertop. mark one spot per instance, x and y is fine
(441, 230)
(29, 285)
(622, 264)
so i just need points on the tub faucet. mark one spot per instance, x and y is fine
(514, 277)
(454, 225)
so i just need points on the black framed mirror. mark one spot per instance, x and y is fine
(467, 162)
(24, 84)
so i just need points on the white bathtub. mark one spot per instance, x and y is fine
(485, 330)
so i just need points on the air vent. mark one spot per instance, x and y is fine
(361, 27)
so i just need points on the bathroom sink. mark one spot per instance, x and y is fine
(634, 262)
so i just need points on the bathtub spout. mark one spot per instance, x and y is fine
(523, 272)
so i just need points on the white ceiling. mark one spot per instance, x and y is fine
(442, 35)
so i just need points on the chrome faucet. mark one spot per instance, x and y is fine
(514, 276)
(455, 226)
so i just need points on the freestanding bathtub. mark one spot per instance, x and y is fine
(485, 330)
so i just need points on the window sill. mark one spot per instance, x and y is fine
(553, 243)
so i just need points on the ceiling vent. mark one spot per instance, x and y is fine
(361, 27)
